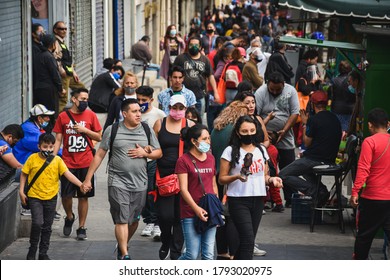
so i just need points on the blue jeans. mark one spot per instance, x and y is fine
(344, 121)
(196, 242)
(212, 113)
(301, 167)
(155, 67)
(200, 106)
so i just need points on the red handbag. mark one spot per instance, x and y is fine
(169, 185)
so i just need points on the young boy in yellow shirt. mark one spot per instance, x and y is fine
(42, 195)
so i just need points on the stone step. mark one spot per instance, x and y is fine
(150, 77)
(158, 85)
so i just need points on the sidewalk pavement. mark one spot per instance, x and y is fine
(277, 235)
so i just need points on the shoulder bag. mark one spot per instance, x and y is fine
(211, 204)
(169, 185)
(29, 185)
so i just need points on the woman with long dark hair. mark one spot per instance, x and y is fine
(173, 45)
(196, 171)
(244, 169)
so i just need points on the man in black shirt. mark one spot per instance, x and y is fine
(321, 136)
(198, 70)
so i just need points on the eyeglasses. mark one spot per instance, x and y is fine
(62, 28)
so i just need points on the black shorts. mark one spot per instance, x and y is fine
(70, 190)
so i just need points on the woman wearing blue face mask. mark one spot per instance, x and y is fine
(198, 159)
(173, 45)
(342, 96)
(355, 88)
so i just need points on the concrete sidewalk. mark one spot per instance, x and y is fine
(277, 235)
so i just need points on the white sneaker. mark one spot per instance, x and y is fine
(147, 231)
(25, 212)
(156, 233)
(258, 252)
(264, 212)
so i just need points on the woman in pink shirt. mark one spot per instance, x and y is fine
(374, 170)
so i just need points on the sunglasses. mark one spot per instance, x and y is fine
(62, 28)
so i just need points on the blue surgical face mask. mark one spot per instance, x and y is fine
(172, 32)
(144, 107)
(204, 147)
(351, 89)
(116, 76)
(44, 124)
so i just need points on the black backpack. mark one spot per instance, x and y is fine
(114, 131)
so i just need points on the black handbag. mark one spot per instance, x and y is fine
(210, 203)
(29, 185)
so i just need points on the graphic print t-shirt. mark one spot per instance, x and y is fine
(76, 152)
(255, 184)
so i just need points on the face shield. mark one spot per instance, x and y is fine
(312, 73)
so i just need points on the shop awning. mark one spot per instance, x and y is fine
(323, 44)
(375, 9)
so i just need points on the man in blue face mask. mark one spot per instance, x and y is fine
(37, 124)
(150, 114)
(102, 89)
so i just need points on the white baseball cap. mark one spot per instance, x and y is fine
(39, 110)
(177, 98)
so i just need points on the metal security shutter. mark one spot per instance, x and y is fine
(99, 35)
(121, 31)
(81, 38)
(10, 62)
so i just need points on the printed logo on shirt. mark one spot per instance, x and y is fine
(203, 170)
(256, 166)
(76, 143)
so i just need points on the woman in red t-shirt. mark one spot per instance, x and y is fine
(191, 190)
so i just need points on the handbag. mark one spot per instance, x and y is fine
(29, 185)
(169, 185)
(93, 150)
(303, 100)
(211, 204)
(221, 87)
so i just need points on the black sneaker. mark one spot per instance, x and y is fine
(81, 233)
(323, 198)
(31, 254)
(68, 229)
(163, 253)
(43, 257)
(278, 208)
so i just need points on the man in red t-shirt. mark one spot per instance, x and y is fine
(76, 129)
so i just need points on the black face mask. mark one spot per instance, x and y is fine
(82, 106)
(209, 31)
(247, 139)
(193, 51)
(47, 153)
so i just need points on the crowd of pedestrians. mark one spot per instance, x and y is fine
(232, 70)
